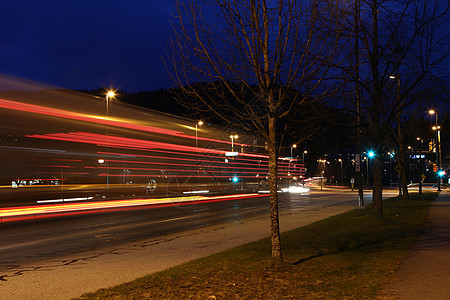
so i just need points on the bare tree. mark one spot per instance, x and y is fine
(253, 63)
(400, 40)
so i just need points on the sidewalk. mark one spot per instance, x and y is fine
(425, 274)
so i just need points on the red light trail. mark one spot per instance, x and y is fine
(67, 209)
(100, 120)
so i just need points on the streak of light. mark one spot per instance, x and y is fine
(64, 159)
(43, 110)
(33, 149)
(42, 211)
(218, 160)
(115, 141)
(179, 176)
(184, 170)
(197, 192)
(259, 156)
(295, 189)
(65, 200)
(183, 165)
(47, 166)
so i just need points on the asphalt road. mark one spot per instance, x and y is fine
(24, 242)
(65, 257)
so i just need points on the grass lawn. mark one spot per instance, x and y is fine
(348, 256)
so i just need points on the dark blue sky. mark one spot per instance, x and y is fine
(85, 44)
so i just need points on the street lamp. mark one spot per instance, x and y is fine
(321, 180)
(199, 123)
(438, 146)
(303, 160)
(420, 141)
(109, 94)
(342, 175)
(370, 154)
(233, 137)
(292, 147)
(390, 168)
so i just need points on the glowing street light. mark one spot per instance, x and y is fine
(370, 154)
(233, 137)
(292, 147)
(109, 95)
(438, 145)
(199, 123)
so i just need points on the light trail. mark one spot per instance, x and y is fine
(115, 141)
(43, 110)
(44, 211)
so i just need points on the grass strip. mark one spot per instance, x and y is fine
(350, 255)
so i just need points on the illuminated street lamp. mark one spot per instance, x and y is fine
(109, 95)
(199, 123)
(438, 146)
(292, 147)
(303, 160)
(100, 161)
(370, 154)
(342, 173)
(233, 137)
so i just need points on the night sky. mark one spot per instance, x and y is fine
(86, 44)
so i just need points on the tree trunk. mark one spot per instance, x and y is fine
(377, 200)
(277, 256)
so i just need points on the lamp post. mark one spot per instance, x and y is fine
(420, 141)
(199, 123)
(370, 154)
(292, 147)
(321, 180)
(367, 169)
(401, 151)
(100, 161)
(233, 137)
(411, 165)
(303, 160)
(109, 94)
(342, 175)
(438, 146)
(390, 168)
